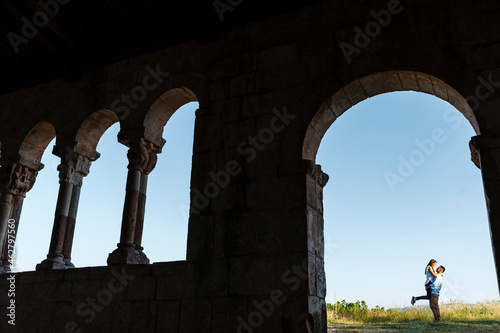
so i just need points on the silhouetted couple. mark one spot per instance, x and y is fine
(433, 284)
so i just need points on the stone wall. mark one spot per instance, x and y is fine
(254, 252)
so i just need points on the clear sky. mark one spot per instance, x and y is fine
(383, 221)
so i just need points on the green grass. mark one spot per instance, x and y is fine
(417, 327)
(456, 317)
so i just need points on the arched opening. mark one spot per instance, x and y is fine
(359, 232)
(167, 212)
(101, 198)
(90, 132)
(33, 233)
(101, 202)
(417, 198)
(373, 85)
(33, 146)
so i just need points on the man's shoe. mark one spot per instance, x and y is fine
(413, 300)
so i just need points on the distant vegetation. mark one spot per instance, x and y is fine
(352, 313)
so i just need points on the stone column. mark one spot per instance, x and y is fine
(16, 180)
(316, 180)
(141, 210)
(72, 169)
(142, 157)
(485, 153)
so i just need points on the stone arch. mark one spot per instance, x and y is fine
(329, 111)
(91, 131)
(36, 141)
(163, 108)
(376, 84)
(145, 143)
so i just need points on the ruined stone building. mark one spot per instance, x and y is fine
(280, 72)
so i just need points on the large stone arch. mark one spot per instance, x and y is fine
(91, 131)
(163, 108)
(17, 177)
(76, 160)
(346, 97)
(145, 143)
(36, 141)
(376, 84)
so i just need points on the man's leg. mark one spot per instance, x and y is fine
(434, 305)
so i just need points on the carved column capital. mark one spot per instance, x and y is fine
(73, 168)
(142, 156)
(314, 170)
(18, 179)
(474, 154)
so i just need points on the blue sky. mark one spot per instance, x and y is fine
(378, 236)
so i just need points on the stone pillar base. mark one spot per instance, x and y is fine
(54, 263)
(127, 255)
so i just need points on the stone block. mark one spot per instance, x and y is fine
(323, 118)
(58, 291)
(408, 80)
(27, 319)
(167, 317)
(262, 193)
(83, 289)
(293, 276)
(200, 237)
(238, 133)
(211, 278)
(169, 268)
(251, 276)
(225, 313)
(248, 62)
(294, 229)
(141, 288)
(313, 241)
(243, 85)
(277, 56)
(29, 293)
(174, 287)
(76, 274)
(47, 318)
(340, 102)
(195, 315)
(220, 89)
(224, 68)
(355, 92)
(31, 277)
(144, 316)
(424, 83)
(267, 227)
(233, 234)
(55, 275)
(121, 317)
(440, 89)
(229, 109)
(100, 273)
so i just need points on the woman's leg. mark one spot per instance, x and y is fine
(427, 297)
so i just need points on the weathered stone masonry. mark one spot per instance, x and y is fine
(253, 237)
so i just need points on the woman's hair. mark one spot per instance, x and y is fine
(432, 261)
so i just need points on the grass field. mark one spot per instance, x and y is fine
(456, 317)
(418, 326)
